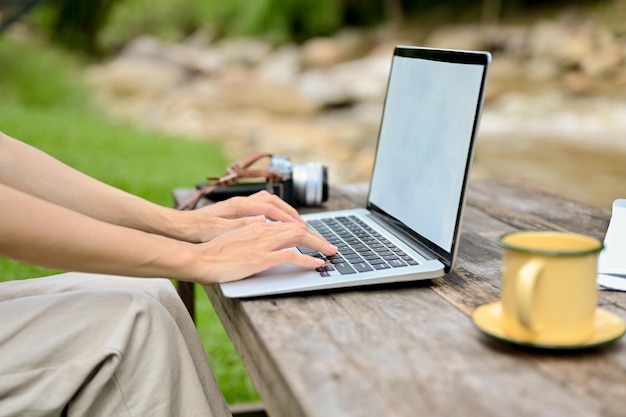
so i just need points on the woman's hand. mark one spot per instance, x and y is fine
(236, 212)
(256, 247)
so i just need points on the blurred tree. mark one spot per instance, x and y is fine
(12, 10)
(491, 11)
(394, 12)
(169, 20)
(278, 19)
(76, 23)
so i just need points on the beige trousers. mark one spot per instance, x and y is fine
(95, 345)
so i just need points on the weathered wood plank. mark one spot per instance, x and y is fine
(517, 206)
(497, 207)
(262, 368)
(528, 207)
(410, 349)
(341, 354)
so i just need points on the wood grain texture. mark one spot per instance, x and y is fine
(411, 349)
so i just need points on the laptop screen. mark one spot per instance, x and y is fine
(425, 144)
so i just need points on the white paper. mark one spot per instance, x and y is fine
(612, 259)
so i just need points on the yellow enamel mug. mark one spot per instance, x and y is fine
(549, 292)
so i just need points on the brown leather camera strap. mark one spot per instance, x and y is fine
(234, 172)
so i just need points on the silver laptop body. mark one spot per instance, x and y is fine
(417, 190)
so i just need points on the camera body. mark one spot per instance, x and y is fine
(300, 185)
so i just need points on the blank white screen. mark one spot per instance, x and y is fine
(424, 143)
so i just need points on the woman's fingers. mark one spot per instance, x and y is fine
(260, 246)
(208, 222)
(276, 236)
(221, 226)
(261, 203)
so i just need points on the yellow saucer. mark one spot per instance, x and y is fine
(608, 328)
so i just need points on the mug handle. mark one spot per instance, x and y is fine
(525, 291)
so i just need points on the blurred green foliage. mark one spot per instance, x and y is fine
(78, 23)
(277, 20)
(40, 77)
(280, 20)
(100, 25)
(165, 19)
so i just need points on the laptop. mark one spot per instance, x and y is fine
(409, 229)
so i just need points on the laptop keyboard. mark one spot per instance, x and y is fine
(359, 247)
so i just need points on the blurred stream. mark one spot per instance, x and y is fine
(575, 147)
(596, 176)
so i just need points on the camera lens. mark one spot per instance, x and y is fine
(309, 183)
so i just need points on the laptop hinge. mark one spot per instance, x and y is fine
(403, 236)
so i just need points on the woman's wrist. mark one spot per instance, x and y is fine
(180, 260)
(168, 222)
(180, 225)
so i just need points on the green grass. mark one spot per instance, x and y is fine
(43, 102)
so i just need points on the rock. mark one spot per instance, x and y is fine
(576, 43)
(354, 43)
(505, 40)
(363, 79)
(202, 95)
(458, 37)
(541, 69)
(201, 38)
(322, 53)
(602, 61)
(191, 58)
(347, 83)
(195, 60)
(266, 95)
(143, 47)
(245, 51)
(565, 45)
(578, 83)
(618, 81)
(506, 68)
(282, 65)
(315, 86)
(127, 77)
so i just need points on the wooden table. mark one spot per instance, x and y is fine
(411, 349)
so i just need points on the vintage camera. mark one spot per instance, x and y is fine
(300, 185)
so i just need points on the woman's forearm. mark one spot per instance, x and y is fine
(41, 233)
(34, 172)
